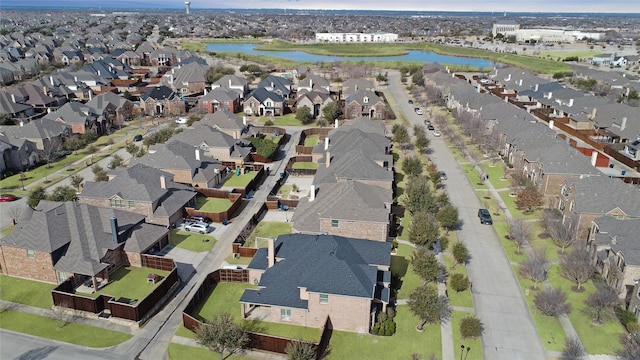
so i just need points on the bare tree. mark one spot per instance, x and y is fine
(562, 234)
(630, 347)
(577, 267)
(535, 268)
(573, 349)
(603, 299)
(519, 232)
(552, 302)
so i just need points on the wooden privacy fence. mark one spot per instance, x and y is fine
(257, 341)
(130, 309)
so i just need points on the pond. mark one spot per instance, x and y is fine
(412, 55)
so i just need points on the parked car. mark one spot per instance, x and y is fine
(418, 111)
(436, 133)
(410, 102)
(430, 127)
(200, 227)
(137, 138)
(443, 175)
(181, 120)
(485, 217)
(427, 122)
(7, 197)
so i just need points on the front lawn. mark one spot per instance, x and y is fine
(401, 267)
(311, 141)
(406, 341)
(129, 282)
(26, 292)
(305, 165)
(510, 202)
(214, 205)
(267, 229)
(474, 345)
(225, 298)
(286, 120)
(73, 333)
(462, 298)
(192, 241)
(239, 181)
(502, 230)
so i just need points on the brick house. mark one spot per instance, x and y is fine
(262, 102)
(188, 79)
(634, 301)
(58, 240)
(142, 190)
(161, 100)
(220, 99)
(227, 122)
(364, 103)
(114, 108)
(315, 101)
(302, 279)
(216, 144)
(236, 83)
(613, 244)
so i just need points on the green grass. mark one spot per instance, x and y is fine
(549, 329)
(225, 297)
(305, 165)
(473, 176)
(129, 282)
(561, 54)
(401, 267)
(474, 345)
(406, 341)
(285, 120)
(192, 241)
(510, 202)
(6, 231)
(239, 261)
(26, 292)
(74, 333)
(214, 205)
(597, 339)
(502, 230)
(312, 140)
(462, 298)
(495, 174)
(285, 190)
(267, 229)
(404, 224)
(182, 352)
(241, 180)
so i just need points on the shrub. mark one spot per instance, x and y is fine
(459, 282)
(375, 329)
(268, 123)
(382, 317)
(390, 328)
(391, 312)
(444, 243)
(633, 327)
(471, 327)
(625, 316)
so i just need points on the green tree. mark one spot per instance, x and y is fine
(425, 303)
(300, 350)
(99, 174)
(401, 136)
(304, 115)
(422, 141)
(459, 282)
(448, 217)
(222, 335)
(426, 265)
(73, 143)
(116, 161)
(418, 196)
(471, 327)
(529, 197)
(76, 181)
(132, 149)
(35, 196)
(412, 166)
(62, 193)
(424, 230)
(460, 253)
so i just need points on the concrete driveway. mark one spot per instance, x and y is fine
(509, 331)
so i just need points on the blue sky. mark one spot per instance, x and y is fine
(620, 6)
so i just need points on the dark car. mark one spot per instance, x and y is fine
(410, 101)
(485, 217)
(7, 197)
(431, 127)
(137, 138)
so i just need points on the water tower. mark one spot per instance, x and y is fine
(187, 6)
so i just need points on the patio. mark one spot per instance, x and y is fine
(127, 282)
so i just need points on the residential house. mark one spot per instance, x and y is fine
(278, 85)
(215, 143)
(233, 82)
(17, 154)
(71, 57)
(47, 136)
(161, 100)
(15, 110)
(186, 163)
(315, 101)
(365, 103)
(262, 102)
(596, 196)
(142, 190)
(303, 279)
(220, 98)
(36, 97)
(58, 240)
(113, 107)
(80, 117)
(226, 122)
(313, 83)
(614, 246)
(188, 79)
(354, 85)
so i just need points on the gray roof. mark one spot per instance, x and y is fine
(621, 236)
(601, 194)
(357, 164)
(223, 120)
(36, 129)
(325, 264)
(362, 95)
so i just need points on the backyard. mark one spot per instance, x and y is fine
(211, 204)
(311, 141)
(192, 241)
(129, 282)
(241, 180)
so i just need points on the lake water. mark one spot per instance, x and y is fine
(413, 55)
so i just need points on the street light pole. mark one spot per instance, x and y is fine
(461, 351)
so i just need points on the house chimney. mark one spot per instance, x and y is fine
(21, 123)
(51, 80)
(570, 102)
(271, 252)
(335, 123)
(205, 90)
(114, 229)
(328, 158)
(198, 154)
(520, 83)
(594, 158)
(623, 125)
(312, 192)
(508, 78)
(478, 88)
(13, 98)
(98, 72)
(163, 182)
(551, 124)
(244, 120)
(326, 143)
(535, 88)
(594, 112)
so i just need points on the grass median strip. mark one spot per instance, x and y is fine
(26, 292)
(73, 333)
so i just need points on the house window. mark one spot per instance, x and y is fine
(31, 254)
(62, 276)
(335, 223)
(561, 205)
(565, 192)
(131, 204)
(324, 298)
(285, 314)
(118, 203)
(571, 206)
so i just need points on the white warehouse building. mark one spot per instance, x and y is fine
(511, 28)
(356, 37)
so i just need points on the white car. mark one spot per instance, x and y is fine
(436, 133)
(418, 111)
(200, 227)
(181, 120)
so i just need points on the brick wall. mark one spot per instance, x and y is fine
(347, 313)
(356, 229)
(15, 262)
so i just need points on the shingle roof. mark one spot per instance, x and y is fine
(602, 194)
(325, 264)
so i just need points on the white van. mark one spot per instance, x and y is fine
(181, 120)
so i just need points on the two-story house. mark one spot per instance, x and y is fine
(365, 103)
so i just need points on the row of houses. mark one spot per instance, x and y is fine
(574, 177)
